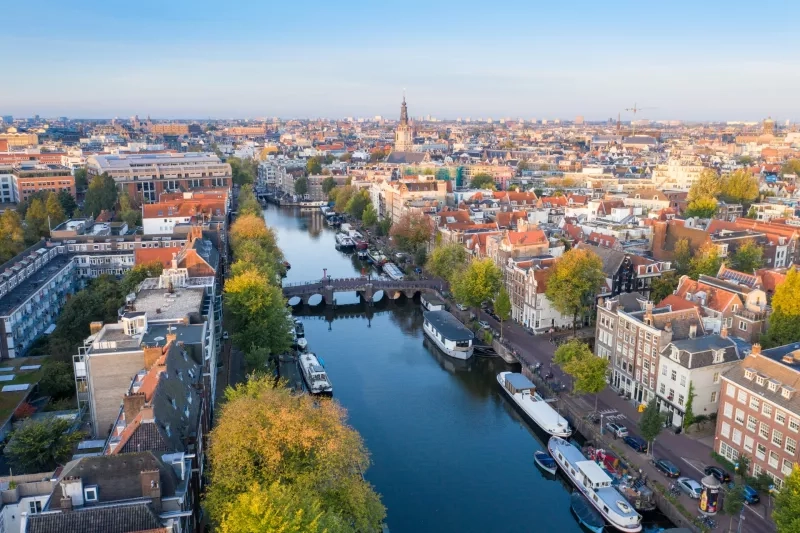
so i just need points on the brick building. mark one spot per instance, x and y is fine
(31, 178)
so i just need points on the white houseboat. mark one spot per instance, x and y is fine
(595, 484)
(431, 302)
(391, 270)
(448, 334)
(523, 393)
(314, 374)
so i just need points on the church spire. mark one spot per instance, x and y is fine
(404, 111)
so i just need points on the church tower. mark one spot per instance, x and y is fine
(403, 137)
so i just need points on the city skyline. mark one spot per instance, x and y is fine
(182, 60)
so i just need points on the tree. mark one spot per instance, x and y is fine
(651, 423)
(412, 230)
(55, 212)
(40, 445)
(688, 417)
(67, 202)
(81, 179)
(384, 226)
(266, 435)
(751, 213)
(448, 261)
(301, 186)
(662, 286)
(341, 197)
(588, 371)
(682, 257)
(792, 166)
(704, 207)
(252, 228)
(346, 158)
(708, 185)
(130, 214)
(313, 166)
(733, 503)
(706, 261)
(12, 237)
(745, 160)
(573, 282)
(357, 203)
(138, 274)
(784, 322)
(243, 171)
(482, 181)
(377, 155)
(739, 187)
(328, 184)
(787, 503)
(102, 194)
(58, 380)
(479, 282)
(748, 258)
(369, 217)
(502, 307)
(36, 221)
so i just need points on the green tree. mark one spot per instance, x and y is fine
(346, 158)
(102, 194)
(36, 221)
(479, 282)
(682, 257)
(748, 258)
(739, 187)
(313, 166)
(341, 197)
(502, 307)
(369, 217)
(745, 160)
(706, 261)
(662, 286)
(133, 277)
(328, 184)
(247, 203)
(792, 166)
(301, 186)
(58, 380)
(708, 185)
(482, 181)
(384, 226)
(588, 371)
(651, 423)
(751, 213)
(12, 236)
(573, 283)
(688, 417)
(243, 171)
(266, 435)
(130, 214)
(704, 207)
(733, 503)
(81, 179)
(412, 230)
(67, 202)
(377, 155)
(357, 203)
(784, 322)
(448, 261)
(54, 211)
(787, 503)
(40, 445)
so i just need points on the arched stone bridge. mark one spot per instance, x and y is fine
(365, 287)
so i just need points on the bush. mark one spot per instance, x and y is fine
(25, 410)
(57, 380)
(723, 461)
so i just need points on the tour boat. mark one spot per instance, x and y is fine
(314, 374)
(545, 462)
(391, 270)
(523, 393)
(586, 514)
(595, 484)
(448, 334)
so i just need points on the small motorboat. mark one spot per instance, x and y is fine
(586, 515)
(302, 344)
(545, 462)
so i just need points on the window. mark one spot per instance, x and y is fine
(766, 409)
(90, 493)
(773, 385)
(683, 381)
(777, 438)
(728, 410)
(742, 396)
(674, 375)
(754, 403)
(726, 430)
(661, 389)
(761, 451)
(728, 451)
(748, 444)
(790, 445)
(739, 416)
(714, 397)
(663, 370)
(730, 390)
(780, 417)
(787, 467)
(748, 374)
(760, 380)
(35, 506)
(751, 423)
(716, 377)
(743, 325)
(773, 459)
(794, 424)
(763, 430)
(680, 399)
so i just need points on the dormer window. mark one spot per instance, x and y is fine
(675, 353)
(760, 380)
(773, 385)
(749, 373)
(90, 493)
(787, 392)
(718, 356)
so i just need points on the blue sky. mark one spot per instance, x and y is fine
(692, 60)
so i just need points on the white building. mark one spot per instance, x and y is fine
(677, 173)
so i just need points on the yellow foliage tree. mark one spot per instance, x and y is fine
(708, 185)
(739, 187)
(253, 228)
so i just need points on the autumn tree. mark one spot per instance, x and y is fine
(748, 258)
(739, 187)
(479, 282)
(247, 203)
(482, 181)
(412, 230)
(301, 186)
(357, 203)
(448, 261)
(708, 185)
(574, 281)
(55, 212)
(266, 435)
(703, 207)
(682, 257)
(36, 221)
(787, 503)
(502, 307)
(40, 445)
(792, 166)
(253, 228)
(101, 195)
(341, 197)
(313, 166)
(12, 236)
(328, 184)
(369, 217)
(663, 285)
(587, 370)
(784, 322)
(706, 261)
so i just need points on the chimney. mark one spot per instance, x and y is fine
(648, 307)
(174, 260)
(756, 349)
(66, 503)
(151, 487)
(151, 355)
(131, 405)
(95, 327)
(724, 334)
(668, 327)
(692, 331)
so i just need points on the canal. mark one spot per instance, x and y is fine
(449, 452)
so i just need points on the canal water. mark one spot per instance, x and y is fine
(449, 452)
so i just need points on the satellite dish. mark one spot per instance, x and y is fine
(159, 338)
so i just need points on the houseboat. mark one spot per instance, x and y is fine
(523, 393)
(595, 484)
(431, 302)
(314, 374)
(393, 271)
(376, 257)
(449, 335)
(344, 241)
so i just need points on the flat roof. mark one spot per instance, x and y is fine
(519, 382)
(160, 304)
(448, 326)
(19, 294)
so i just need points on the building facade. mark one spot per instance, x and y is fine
(31, 178)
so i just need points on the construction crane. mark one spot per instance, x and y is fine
(635, 109)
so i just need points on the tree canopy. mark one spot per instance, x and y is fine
(412, 230)
(301, 186)
(448, 261)
(243, 171)
(482, 181)
(328, 184)
(247, 203)
(682, 257)
(341, 197)
(708, 185)
(792, 166)
(787, 503)
(357, 203)
(588, 371)
(574, 281)
(12, 236)
(784, 322)
(739, 187)
(479, 282)
(703, 207)
(369, 217)
(273, 452)
(705, 261)
(651, 423)
(313, 166)
(502, 307)
(662, 286)
(40, 445)
(102, 194)
(748, 258)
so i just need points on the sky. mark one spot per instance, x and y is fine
(683, 60)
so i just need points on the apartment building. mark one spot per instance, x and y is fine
(271, 174)
(28, 496)
(162, 217)
(393, 196)
(6, 184)
(626, 272)
(146, 176)
(315, 192)
(759, 411)
(31, 178)
(526, 283)
(678, 173)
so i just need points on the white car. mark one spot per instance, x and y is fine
(224, 335)
(617, 429)
(690, 487)
(461, 307)
(484, 325)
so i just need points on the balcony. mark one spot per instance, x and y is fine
(753, 316)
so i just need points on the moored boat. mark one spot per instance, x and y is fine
(314, 374)
(377, 258)
(450, 335)
(344, 241)
(431, 302)
(302, 344)
(523, 393)
(595, 484)
(299, 330)
(545, 462)
(393, 271)
(585, 513)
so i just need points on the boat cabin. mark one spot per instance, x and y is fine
(519, 384)
(593, 476)
(431, 302)
(317, 373)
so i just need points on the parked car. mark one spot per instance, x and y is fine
(690, 487)
(461, 307)
(751, 495)
(637, 443)
(483, 324)
(667, 468)
(617, 429)
(225, 335)
(721, 475)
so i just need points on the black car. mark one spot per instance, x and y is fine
(721, 475)
(637, 443)
(667, 468)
